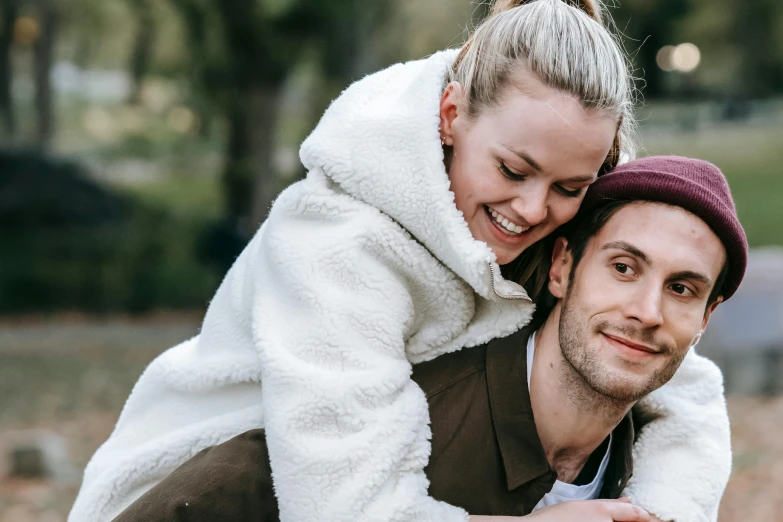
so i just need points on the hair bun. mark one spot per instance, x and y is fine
(593, 8)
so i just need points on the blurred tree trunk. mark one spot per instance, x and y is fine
(352, 50)
(245, 72)
(143, 46)
(756, 26)
(257, 72)
(195, 20)
(10, 11)
(250, 175)
(44, 61)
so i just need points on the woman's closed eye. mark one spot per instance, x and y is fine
(510, 174)
(560, 189)
(569, 193)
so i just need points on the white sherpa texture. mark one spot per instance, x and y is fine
(682, 459)
(361, 270)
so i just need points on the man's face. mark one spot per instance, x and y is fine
(638, 298)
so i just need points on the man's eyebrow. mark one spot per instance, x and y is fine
(623, 245)
(684, 274)
(692, 276)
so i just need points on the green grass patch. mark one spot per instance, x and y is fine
(751, 158)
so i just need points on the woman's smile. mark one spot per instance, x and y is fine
(505, 243)
(500, 233)
(506, 225)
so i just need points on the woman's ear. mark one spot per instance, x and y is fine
(449, 111)
(560, 269)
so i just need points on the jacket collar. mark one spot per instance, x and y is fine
(620, 468)
(512, 413)
(379, 142)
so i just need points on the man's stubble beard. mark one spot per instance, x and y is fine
(587, 381)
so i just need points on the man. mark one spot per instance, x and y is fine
(540, 422)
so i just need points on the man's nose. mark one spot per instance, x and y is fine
(645, 306)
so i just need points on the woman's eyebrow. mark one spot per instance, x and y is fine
(524, 156)
(580, 179)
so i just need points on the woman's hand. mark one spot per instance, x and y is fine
(582, 510)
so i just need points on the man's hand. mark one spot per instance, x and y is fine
(582, 510)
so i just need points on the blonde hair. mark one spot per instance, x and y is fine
(565, 44)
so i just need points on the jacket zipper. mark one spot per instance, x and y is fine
(504, 296)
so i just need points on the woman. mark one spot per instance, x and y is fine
(424, 179)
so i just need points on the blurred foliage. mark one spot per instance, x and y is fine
(148, 262)
(221, 92)
(741, 43)
(751, 159)
(69, 244)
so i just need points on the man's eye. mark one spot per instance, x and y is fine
(622, 268)
(680, 289)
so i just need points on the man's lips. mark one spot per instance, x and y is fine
(630, 344)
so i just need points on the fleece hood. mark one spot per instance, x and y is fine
(379, 142)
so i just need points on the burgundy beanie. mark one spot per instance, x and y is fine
(695, 185)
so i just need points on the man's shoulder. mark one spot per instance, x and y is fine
(447, 370)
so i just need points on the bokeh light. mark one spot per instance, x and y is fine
(683, 58)
(686, 57)
(182, 119)
(100, 125)
(26, 31)
(664, 58)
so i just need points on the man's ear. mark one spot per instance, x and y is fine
(560, 269)
(706, 320)
(449, 110)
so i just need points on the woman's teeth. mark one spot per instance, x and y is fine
(509, 226)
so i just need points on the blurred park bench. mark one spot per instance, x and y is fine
(745, 336)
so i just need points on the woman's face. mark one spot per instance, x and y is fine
(520, 170)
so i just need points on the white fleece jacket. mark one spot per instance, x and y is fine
(361, 270)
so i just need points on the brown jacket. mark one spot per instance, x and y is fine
(486, 454)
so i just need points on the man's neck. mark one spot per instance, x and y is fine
(571, 418)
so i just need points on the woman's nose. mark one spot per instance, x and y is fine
(532, 206)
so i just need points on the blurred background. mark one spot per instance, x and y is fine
(142, 142)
